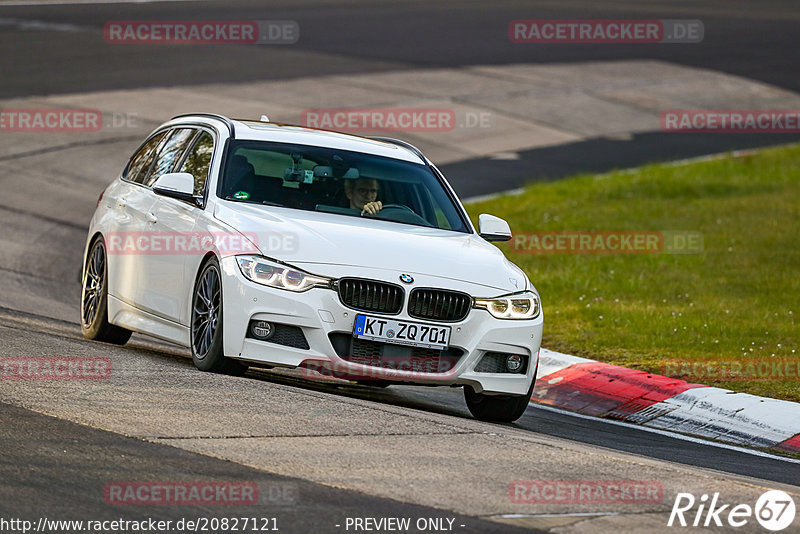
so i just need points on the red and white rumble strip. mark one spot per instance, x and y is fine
(604, 390)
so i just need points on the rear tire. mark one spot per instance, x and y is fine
(206, 324)
(498, 408)
(94, 299)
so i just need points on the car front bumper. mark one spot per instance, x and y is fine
(318, 313)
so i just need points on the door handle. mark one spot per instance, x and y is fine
(151, 218)
(122, 202)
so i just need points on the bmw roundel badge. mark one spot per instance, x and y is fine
(406, 278)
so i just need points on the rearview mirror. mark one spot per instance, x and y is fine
(179, 185)
(493, 228)
(326, 171)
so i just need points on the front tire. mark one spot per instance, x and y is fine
(374, 383)
(497, 408)
(94, 299)
(206, 324)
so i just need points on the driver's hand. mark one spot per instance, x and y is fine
(372, 208)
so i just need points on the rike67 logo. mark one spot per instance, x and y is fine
(774, 510)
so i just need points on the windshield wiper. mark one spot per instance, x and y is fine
(247, 201)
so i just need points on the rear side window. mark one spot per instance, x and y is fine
(198, 161)
(170, 153)
(143, 159)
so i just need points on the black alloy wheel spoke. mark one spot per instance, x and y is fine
(206, 312)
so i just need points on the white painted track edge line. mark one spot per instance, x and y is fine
(667, 433)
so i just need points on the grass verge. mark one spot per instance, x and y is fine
(725, 316)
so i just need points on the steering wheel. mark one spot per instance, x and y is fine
(402, 213)
(391, 207)
(398, 207)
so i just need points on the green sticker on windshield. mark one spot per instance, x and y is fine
(241, 195)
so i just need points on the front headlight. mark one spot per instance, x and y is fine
(519, 306)
(269, 273)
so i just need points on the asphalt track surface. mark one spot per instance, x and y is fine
(57, 467)
(80, 461)
(537, 419)
(57, 52)
(758, 41)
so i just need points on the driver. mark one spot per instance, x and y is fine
(362, 194)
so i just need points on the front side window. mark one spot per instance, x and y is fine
(198, 161)
(169, 153)
(337, 181)
(143, 159)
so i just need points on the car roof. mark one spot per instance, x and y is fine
(254, 130)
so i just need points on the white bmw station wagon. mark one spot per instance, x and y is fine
(262, 244)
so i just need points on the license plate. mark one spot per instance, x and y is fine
(401, 332)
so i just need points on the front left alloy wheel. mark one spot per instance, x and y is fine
(206, 324)
(94, 299)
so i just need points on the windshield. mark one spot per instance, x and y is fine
(337, 181)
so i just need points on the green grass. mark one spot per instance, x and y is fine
(736, 302)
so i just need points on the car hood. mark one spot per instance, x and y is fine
(311, 239)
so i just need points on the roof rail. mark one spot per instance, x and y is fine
(403, 144)
(223, 118)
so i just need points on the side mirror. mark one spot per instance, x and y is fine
(493, 228)
(179, 185)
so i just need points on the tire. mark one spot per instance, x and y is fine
(206, 324)
(94, 299)
(374, 383)
(498, 408)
